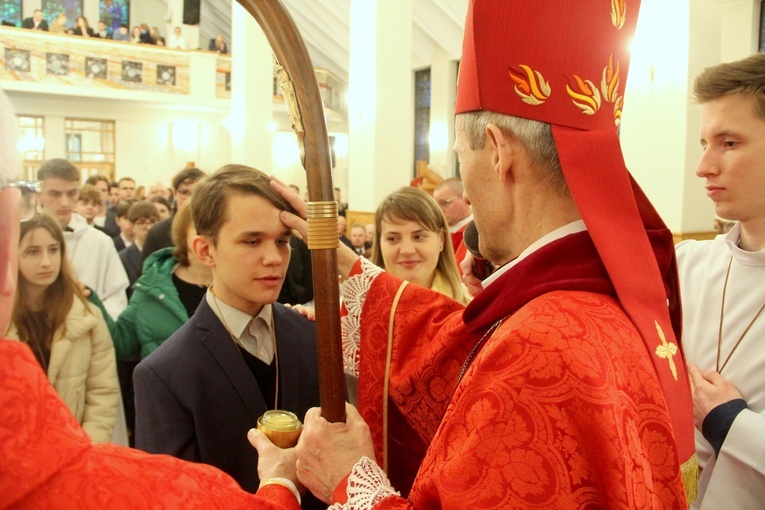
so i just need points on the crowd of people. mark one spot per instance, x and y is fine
(569, 376)
(139, 34)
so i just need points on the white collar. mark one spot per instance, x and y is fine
(748, 258)
(457, 226)
(234, 319)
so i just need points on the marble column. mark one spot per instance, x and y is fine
(381, 112)
(252, 106)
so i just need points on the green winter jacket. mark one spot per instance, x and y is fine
(154, 312)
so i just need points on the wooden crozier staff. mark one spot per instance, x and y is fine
(301, 92)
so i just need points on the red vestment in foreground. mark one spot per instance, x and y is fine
(49, 462)
(458, 243)
(560, 407)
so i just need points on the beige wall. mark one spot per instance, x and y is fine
(146, 147)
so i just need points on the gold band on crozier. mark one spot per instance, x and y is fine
(322, 226)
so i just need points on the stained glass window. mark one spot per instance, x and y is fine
(10, 12)
(114, 13)
(72, 9)
(421, 116)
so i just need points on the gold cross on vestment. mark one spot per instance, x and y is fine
(666, 350)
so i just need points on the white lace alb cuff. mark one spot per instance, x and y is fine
(355, 291)
(367, 485)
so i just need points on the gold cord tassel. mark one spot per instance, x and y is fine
(690, 473)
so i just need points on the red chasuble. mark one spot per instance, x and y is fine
(560, 406)
(49, 462)
(460, 250)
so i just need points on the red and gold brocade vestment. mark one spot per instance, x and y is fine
(560, 406)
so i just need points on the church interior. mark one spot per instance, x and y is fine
(387, 73)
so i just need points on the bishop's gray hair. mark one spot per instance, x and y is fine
(534, 135)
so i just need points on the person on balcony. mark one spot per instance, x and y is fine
(58, 26)
(104, 32)
(35, 22)
(219, 45)
(176, 40)
(121, 34)
(81, 27)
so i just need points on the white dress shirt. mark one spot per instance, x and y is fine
(254, 334)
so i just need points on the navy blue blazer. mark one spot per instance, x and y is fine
(131, 260)
(196, 398)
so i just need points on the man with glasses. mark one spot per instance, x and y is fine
(458, 214)
(142, 215)
(184, 183)
(90, 251)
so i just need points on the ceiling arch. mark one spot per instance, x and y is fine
(325, 26)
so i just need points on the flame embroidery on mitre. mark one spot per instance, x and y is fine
(584, 94)
(618, 13)
(618, 105)
(530, 85)
(609, 84)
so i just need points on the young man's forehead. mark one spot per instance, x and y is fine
(242, 208)
(57, 183)
(276, 232)
(187, 182)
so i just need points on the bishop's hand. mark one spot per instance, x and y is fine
(328, 451)
(346, 257)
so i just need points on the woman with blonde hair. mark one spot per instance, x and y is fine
(68, 335)
(412, 243)
(156, 36)
(58, 26)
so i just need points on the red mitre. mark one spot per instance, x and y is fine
(564, 62)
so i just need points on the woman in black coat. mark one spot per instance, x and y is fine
(82, 28)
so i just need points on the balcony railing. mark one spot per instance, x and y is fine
(64, 60)
(63, 64)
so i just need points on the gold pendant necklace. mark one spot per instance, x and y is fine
(722, 315)
(273, 339)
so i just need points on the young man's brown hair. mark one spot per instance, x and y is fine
(89, 193)
(187, 176)
(58, 167)
(208, 204)
(142, 209)
(745, 77)
(181, 224)
(94, 179)
(122, 207)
